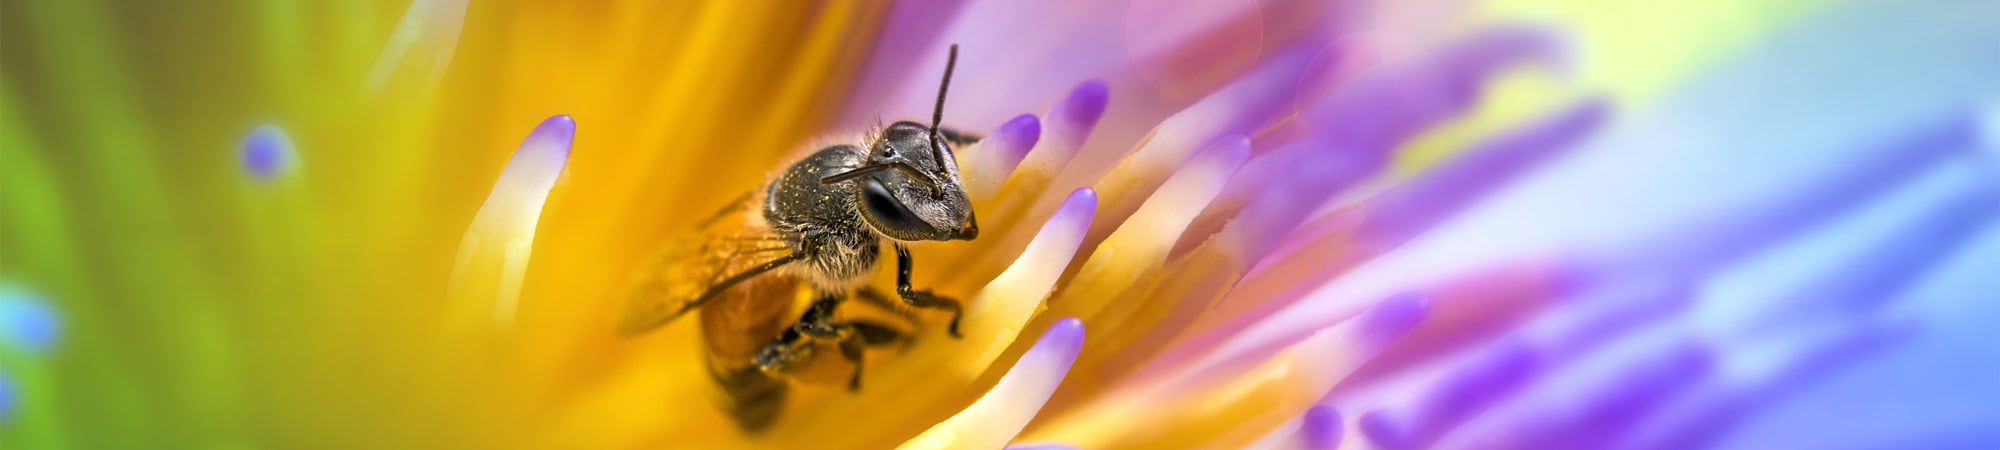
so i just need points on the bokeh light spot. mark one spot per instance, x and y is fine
(26, 320)
(268, 153)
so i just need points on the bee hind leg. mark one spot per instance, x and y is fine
(924, 298)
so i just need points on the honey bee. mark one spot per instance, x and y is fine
(820, 223)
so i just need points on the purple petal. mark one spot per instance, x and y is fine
(1465, 392)
(1396, 215)
(1240, 108)
(1389, 320)
(1895, 258)
(1711, 241)
(1709, 413)
(910, 28)
(1414, 206)
(1609, 409)
(1351, 130)
(1320, 428)
(1381, 108)
(1604, 313)
(1276, 191)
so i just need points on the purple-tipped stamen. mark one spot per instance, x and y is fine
(1078, 113)
(1463, 393)
(999, 153)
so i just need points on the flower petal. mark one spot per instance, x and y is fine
(1337, 242)
(992, 161)
(1022, 197)
(1893, 258)
(1138, 249)
(1709, 242)
(493, 255)
(1654, 377)
(1318, 429)
(1239, 108)
(1004, 410)
(1009, 300)
(431, 28)
(1233, 404)
(1463, 393)
(1479, 308)
(1706, 413)
(1113, 283)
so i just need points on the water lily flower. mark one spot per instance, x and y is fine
(1236, 224)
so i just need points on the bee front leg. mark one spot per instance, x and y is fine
(923, 299)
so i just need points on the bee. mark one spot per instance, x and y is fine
(820, 223)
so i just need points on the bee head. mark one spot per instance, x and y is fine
(909, 188)
(927, 203)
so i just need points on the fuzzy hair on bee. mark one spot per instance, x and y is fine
(821, 224)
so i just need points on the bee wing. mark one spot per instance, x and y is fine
(727, 249)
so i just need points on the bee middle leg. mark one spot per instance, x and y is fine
(794, 346)
(862, 334)
(923, 298)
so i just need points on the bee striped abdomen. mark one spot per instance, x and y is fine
(734, 326)
(754, 399)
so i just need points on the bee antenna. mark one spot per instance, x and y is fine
(937, 114)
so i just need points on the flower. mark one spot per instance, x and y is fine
(1206, 224)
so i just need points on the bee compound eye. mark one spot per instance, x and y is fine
(890, 213)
